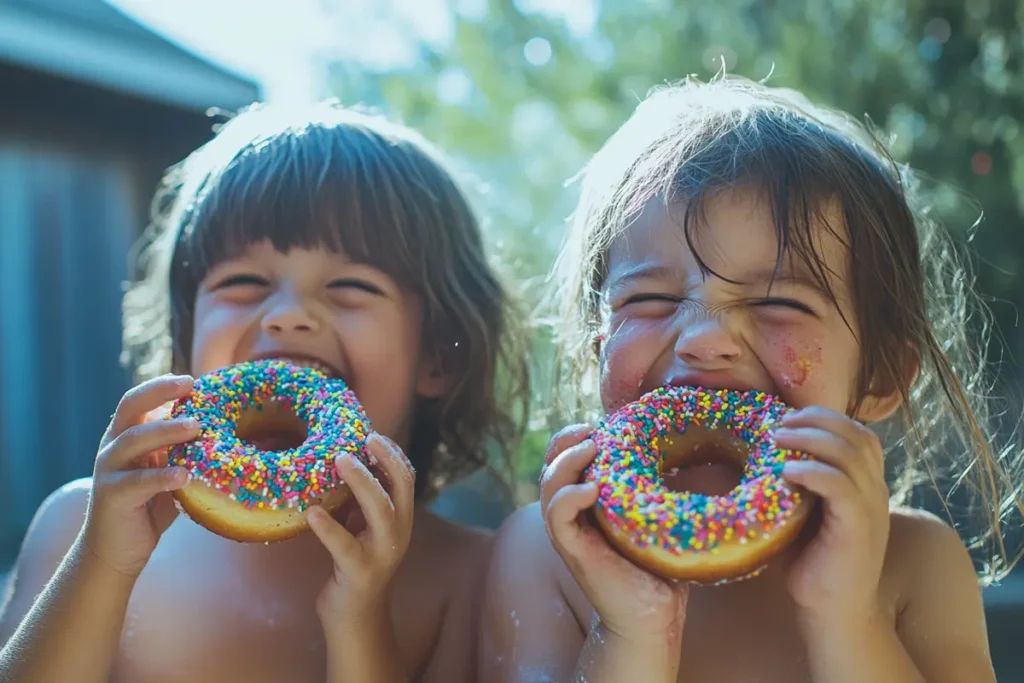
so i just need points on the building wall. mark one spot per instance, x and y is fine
(66, 222)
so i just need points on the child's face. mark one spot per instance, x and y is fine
(318, 305)
(667, 323)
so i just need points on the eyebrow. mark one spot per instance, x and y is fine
(650, 271)
(646, 271)
(785, 276)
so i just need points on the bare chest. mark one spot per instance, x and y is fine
(735, 636)
(767, 649)
(210, 610)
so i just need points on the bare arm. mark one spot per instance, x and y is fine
(63, 620)
(943, 625)
(939, 636)
(72, 629)
(528, 631)
(52, 532)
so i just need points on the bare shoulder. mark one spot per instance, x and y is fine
(920, 542)
(524, 548)
(940, 616)
(524, 531)
(51, 533)
(55, 526)
(458, 550)
(530, 620)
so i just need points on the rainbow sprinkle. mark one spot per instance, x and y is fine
(296, 477)
(635, 500)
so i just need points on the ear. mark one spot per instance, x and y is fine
(886, 397)
(432, 381)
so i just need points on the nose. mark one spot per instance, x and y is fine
(289, 314)
(707, 345)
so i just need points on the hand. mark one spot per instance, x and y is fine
(365, 561)
(835, 580)
(631, 602)
(130, 506)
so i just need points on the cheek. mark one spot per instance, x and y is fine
(626, 356)
(382, 351)
(795, 359)
(216, 332)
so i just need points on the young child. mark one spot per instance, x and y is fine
(734, 236)
(320, 234)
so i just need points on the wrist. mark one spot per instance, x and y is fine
(363, 648)
(853, 626)
(609, 655)
(831, 640)
(82, 559)
(367, 620)
(87, 547)
(639, 639)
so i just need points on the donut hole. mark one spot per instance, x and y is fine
(701, 460)
(271, 426)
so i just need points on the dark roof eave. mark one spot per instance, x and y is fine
(88, 57)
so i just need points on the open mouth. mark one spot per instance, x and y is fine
(307, 362)
(271, 426)
(702, 461)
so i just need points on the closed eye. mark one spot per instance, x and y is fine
(352, 283)
(643, 298)
(785, 303)
(242, 281)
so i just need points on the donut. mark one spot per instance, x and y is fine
(252, 494)
(690, 536)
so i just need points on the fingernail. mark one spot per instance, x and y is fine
(177, 475)
(184, 380)
(189, 423)
(314, 515)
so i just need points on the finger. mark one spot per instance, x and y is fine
(135, 488)
(145, 397)
(561, 517)
(376, 505)
(397, 469)
(829, 448)
(838, 491)
(566, 469)
(342, 545)
(139, 441)
(350, 516)
(852, 431)
(566, 438)
(162, 511)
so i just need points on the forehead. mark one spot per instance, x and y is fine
(735, 235)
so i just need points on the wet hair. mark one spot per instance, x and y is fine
(342, 179)
(912, 299)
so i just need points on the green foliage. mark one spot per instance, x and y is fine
(943, 78)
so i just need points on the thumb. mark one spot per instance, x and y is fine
(163, 511)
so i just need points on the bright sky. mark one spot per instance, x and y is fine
(281, 44)
(284, 43)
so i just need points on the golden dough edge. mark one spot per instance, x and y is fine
(732, 560)
(229, 518)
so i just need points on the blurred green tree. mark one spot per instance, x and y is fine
(526, 90)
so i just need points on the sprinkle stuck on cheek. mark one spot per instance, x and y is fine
(800, 365)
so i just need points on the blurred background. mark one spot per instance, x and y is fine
(97, 98)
